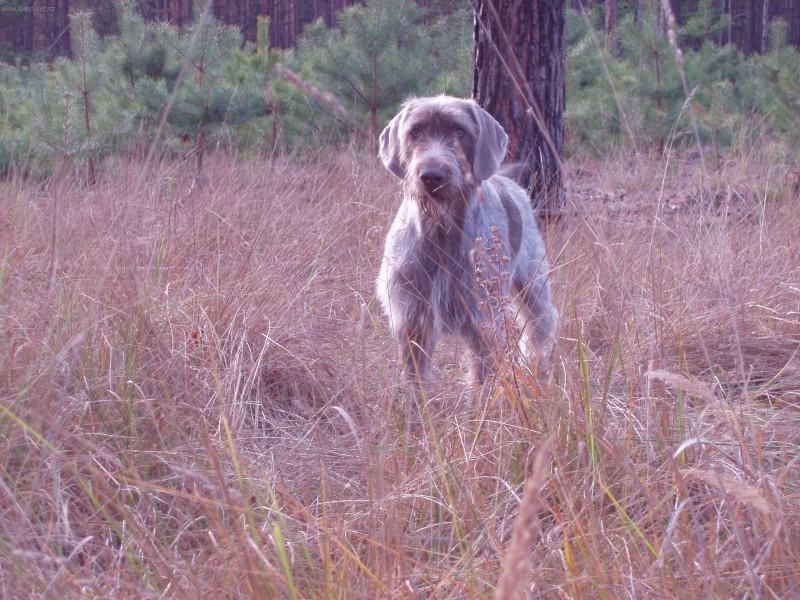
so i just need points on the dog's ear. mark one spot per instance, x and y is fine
(491, 145)
(390, 146)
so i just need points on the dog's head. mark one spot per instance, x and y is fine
(441, 146)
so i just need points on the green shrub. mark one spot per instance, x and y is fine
(380, 54)
(634, 96)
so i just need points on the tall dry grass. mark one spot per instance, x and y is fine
(199, 397)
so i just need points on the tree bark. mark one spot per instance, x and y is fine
(610, 22)
(519, 79)
(753, 26)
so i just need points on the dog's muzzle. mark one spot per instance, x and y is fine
(433, 178)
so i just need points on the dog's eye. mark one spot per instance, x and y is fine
(415, 133)
(459, 132)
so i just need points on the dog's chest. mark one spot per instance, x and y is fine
(438, 275)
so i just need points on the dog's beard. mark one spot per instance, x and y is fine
(433, 206)
(444, 208)
(430, 207)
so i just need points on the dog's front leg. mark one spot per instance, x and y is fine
(416, 344)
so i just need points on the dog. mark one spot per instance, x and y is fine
(436, 278)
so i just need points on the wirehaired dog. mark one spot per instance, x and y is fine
(432, 280)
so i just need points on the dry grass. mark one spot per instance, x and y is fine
(199, 398)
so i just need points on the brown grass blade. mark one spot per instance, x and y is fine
(516, 566)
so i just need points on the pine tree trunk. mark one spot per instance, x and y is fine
(276, 127)
(610, 22)
(91, 177)
(752, 26)
(82, 24)
(675, 5)
(200, 150)
(723, 10)
(519, 74)
(791, 13)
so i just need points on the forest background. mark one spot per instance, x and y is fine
(81, 85)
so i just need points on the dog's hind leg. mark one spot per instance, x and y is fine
(535, 313)
(481, 361)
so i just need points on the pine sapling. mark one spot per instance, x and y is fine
(83, 44)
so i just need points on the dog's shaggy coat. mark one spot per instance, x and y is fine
(462, 230)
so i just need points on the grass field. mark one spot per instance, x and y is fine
(199, 397)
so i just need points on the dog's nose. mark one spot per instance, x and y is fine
(432, 177)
